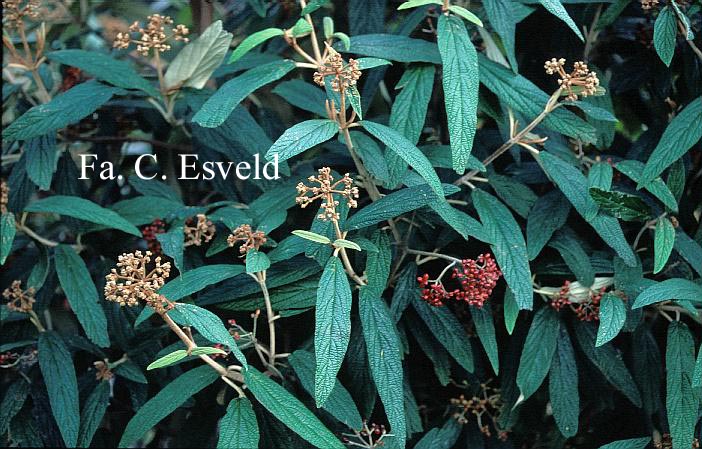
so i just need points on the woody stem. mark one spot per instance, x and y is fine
(261, 279)
(313, 34)
(432, 254)
(551, 105)
(345, 257)
(191, 344)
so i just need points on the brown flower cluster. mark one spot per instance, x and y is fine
(326, 191)
(249, 238)
(345, 75)
(4, 196)
(19, 300)
(666, 442)
(132, 281)
(581, 81)
(487, 403)
(153, 36)
(648, 4)
(15, 11)
(198, 231)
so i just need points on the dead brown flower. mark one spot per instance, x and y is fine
(198, 231)
(19, 300)
(249, 238)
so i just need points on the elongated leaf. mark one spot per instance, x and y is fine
(405, 290)
(548, 214)
(679, 289)
(394, 48)
(612, 318)
(600, 176)
(197, 279)
(332, 327)
(537, 355)
(384, 359)
(696, 375)
(658, 188)
(83, 209)
(621, 205)
(448, 330)
(59, 375)
(507, 244)
(303, 95)
(312, 236)
(238, 428)
(301, 137)
(681, 398)
(682, 133)
(689, 249)
(93, 412)
(467, 15)
(64, 109)
(13, 400)
(485, 327)
(103, 67)
(416, 3)
(7, 235)
(209, 325)
(634, 443)
(221, 104)
(407, 151)
(663, 242)
(166, 401)
(168, 359)
(339, 404)
(563, 386)
(256, 261)
(502, 18)
(607, 359)
(290, 411)
(395, 204)
(664, 31)
(195, 63)
(81, 294)
(556, 8)
(41, 160)
(569, 247)
(254, 40)
(460, 81)
(409, 113)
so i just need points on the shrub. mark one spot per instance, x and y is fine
(443, 225)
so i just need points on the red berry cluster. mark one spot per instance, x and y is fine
(150, 232)
(585, 311)
(8, 358)
(477, 279)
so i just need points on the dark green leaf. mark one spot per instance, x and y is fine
(301, 137)
(238, 428)
(507, 244)
(484, 326)
(569, 247)
(59, 375)
(13, 400)
(563, 386)
(682, 400)
(621, 205)
(64, 109)
(332, 327)
(289, 410)
(664, 31)
(81, 294)
(663, 243)
(41, 159)
(83, 210)
(394, 48)
(93, 412)
(256, 261)
(221, 104)
(104, 68)
(537, 355)
(197, 279)
(166, 401)
(460, 81)
(7, 235)
(634, 443)
(679, 289)
(612, 317)
(556, 8)
(634, 170)
(547, 216)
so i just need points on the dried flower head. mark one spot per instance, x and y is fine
(4, 196)
(198, 231)
(153, 36)
(345, 75)
(19, 300)
(666, 442)
(369, 436)
(132, 281)
(581, 81)
(486, 403)
(14, 12)
(103, 372)
(326, 191)
(249, 238)
(648, 4)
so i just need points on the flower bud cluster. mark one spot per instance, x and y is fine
(485, 406)
(345, 75)
(198, 231)
(15, 11)
(19, 300)
(150, 231)
(131, 282)
(249, 238)
(326, 191)
(102, 372)
(666, 442)
(581, 81)
(153, 36)
(477, 279)
(369, 436)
